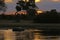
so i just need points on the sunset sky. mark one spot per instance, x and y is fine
(43, 5)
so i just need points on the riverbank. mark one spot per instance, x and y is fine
(28, 24)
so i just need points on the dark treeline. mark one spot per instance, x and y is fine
(46, 17)
(16, 18)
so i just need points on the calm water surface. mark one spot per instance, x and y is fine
(30, 34)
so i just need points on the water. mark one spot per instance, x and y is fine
(30, 34)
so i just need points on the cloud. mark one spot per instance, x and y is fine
(55, 0)
(48, 5)
(43, 5)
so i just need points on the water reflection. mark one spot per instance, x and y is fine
(9, 35)
(29, 34)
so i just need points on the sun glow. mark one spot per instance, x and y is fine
(26, 0)
(8, 1)
(39, 12)
(37, 1)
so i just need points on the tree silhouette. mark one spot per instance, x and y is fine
(18, 8)
(47, 17)
(54, 16)
(2, 6)
(17, 18)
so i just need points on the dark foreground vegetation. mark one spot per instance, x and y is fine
(46, 17)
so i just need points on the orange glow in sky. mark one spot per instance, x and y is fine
(8, 1)
(56, 0)
(22, 12)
